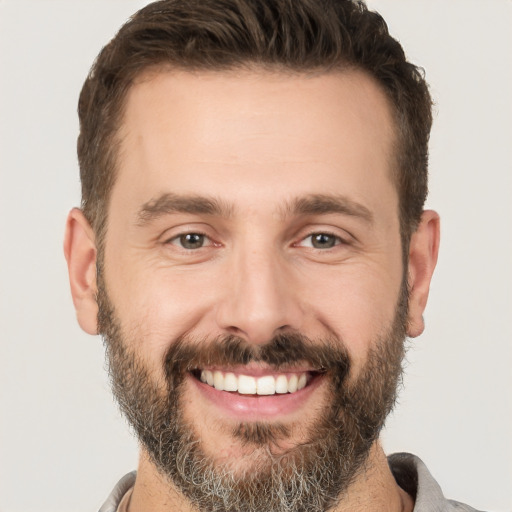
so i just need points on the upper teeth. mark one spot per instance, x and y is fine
(248, 385)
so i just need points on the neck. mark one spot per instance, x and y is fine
(374, 490)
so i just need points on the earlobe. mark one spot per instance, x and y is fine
(423, 251)
(80, 253)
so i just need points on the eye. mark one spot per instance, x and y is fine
(190, 241)
(321, 241)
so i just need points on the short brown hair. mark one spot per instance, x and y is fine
(296, 35)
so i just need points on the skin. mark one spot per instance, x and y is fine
(256, 141)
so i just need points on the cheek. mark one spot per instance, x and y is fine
(156, 306)
(359, 306)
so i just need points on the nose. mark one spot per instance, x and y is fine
(260, 298)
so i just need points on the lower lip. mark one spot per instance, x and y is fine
(258, 407)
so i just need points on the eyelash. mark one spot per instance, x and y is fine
(178, 240)
(337, 240)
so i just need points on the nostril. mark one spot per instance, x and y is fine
(232, 329)
(258, 317)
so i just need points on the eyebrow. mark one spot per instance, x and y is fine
(323, 204)
(173, 203)
(313, 204)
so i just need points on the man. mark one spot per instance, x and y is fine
(253, 247)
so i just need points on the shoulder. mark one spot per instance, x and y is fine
(412, 475)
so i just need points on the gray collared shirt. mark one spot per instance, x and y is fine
(412, 476)
(409, 471)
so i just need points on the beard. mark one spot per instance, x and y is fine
(310, 476)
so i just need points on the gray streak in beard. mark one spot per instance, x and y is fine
(310, 477)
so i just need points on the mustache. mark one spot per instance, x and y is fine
(283, 351)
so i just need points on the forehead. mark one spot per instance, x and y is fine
(195, 132)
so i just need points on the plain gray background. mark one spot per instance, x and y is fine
(63, 444)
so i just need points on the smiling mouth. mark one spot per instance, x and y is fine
(264, 385)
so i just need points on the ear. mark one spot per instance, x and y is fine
(423, 250)
(80, 253)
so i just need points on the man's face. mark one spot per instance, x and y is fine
(253, 243)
